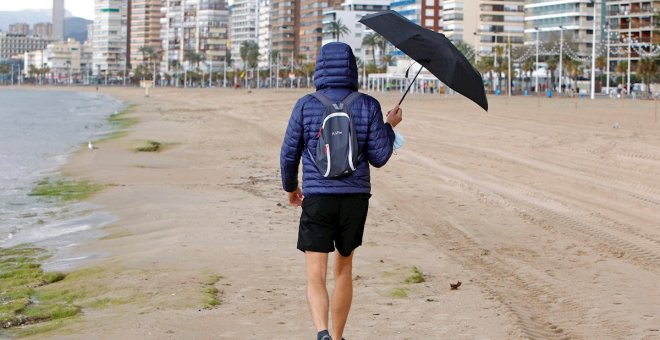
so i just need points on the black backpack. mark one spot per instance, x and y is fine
(337, 152)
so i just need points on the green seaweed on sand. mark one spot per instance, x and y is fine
(149, 146)
(65, 189)
(22, 300)
(210, 292)
(399, 293)
(416, 277)
(121, 120)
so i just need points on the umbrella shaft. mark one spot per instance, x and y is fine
(409, 85)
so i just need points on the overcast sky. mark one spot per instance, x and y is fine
(79, 8)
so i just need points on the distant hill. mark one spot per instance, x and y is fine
(74, 27)
(29, 16)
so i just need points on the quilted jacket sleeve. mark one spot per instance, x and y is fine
(380, 139)
(292, 148)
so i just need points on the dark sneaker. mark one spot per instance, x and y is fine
(323, 335)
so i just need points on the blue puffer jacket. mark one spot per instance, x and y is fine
(336, 76)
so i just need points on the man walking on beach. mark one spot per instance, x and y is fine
(333, 210)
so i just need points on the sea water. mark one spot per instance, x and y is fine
(38, 130)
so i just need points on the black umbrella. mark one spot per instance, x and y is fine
(433, 51)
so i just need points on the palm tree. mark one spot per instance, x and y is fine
(499, 52)
(527, 68)
(194, 58)
(175, 64)
(249, 52)
(573, 69)
(147, 52)
(646, 68)
(338, 29)
(552, 66)
(622, 68)
(369, 41)
(381, 43)
(467, 50)
(486, 65)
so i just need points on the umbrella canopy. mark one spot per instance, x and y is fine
(432, 50)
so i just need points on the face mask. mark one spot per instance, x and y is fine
(398, 140)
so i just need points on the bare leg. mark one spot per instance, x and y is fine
(342, 296)
(317, 294)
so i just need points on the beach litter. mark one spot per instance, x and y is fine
(454, 286)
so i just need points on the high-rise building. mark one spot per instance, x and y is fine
(350, 12)
(43, 30)
(500, 21)
(310, 29)
(145, 31)
(19, 28)
(544, 19)
(58, 19)
(244, 25)
(460, 20)
(284, 21)
(633, 26)
(192, 31)
(110, 37)
(263, 32)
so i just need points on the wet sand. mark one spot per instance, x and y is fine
(546, 210)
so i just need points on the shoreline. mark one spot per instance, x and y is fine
(51, 216)
(207, 212)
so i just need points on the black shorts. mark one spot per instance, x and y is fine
(332, 221)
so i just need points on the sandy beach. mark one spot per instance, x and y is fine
(546, 210)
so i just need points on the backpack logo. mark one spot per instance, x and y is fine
(336, 148)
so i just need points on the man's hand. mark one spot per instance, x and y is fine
(295, 197)
(394, 116)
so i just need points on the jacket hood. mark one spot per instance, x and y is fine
(336, 67)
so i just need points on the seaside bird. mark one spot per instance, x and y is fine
(90, 146)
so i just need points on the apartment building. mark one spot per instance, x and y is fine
(145, 29)
(499, 22)
(632, 24)
(63, 58)
(310, 29)
(111, 29)
(194, 27)
(460, 19)
(43, 30)
(575, 17)
(350, 12)
(263, 32)
(12, 45)
(19, 28)
(284, 24)
(244, 23)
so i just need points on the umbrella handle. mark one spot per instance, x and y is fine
(409, 85)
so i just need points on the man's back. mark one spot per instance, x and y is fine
(336, 79)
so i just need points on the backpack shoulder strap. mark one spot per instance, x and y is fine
(351, 98)
(322, 98)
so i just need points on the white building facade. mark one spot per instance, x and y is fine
(189, 27)
(244, 23)
(350, 14)
(110, 35)
(263, 32)
(575, 18)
